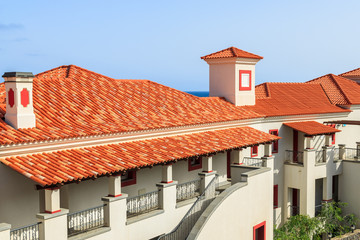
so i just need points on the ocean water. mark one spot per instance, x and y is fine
(199, 93)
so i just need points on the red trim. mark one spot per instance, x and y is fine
(53, 211)
(115, 195)
(333, 135)
(276, 193)
(208, 171)
(166, 182)
(261, 227)
(241, 88)
(329, 200)
(275, 145)
(131, 179)
(198, 165)
(254, 151)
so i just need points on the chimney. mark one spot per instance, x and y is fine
(232, 75)
(19, 102)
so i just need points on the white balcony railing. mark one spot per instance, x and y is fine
(187, 190)
(142, 203)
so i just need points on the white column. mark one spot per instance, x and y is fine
(53, 226)
(167, 173)
(167, 195)
(237, 156)
(207, 164)
(327, 188)
(307, 190)
(309, 142)
(342, 151)
(52, 200)
(268, 162)
(115, 213)
(115, 185)
(328, 140)
(5, 231)
(206, 178)
(268, 150)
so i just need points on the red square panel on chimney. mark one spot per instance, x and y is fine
(24, 97)
(11, 96)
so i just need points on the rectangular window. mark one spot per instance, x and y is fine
(259, 231)
(244, 80)
(276, 196)
(194, 163)
(275, 145)
(128, 178)
(254, 151)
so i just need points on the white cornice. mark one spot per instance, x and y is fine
(233, 60)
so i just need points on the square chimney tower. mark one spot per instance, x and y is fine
(19, 99)
(232, 75)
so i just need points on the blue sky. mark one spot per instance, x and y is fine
(164, 40)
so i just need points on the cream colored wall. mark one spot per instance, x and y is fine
(240, 208)
(349, 187)
(182, 174)
(19, 199)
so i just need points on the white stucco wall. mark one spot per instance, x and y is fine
(237, 210)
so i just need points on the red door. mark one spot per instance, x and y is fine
(228, 160)
(295, 146)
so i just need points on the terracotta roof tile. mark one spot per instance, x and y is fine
(284, 99)
(73, 102)
(352, 73)
(50, 168)
(230, 53)
(339, 90)
(312, 128)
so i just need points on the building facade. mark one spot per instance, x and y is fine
(85, 156)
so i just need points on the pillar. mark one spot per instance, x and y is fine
(52, 200)
(268, 150)
(357, 154)
(342, 151)
(53, 226)
(268, 162)
(207, 164)
(115, 185)
(115, 213)
(309, 142)
(167, 173)
(328, 140)
(307, 190)
(5, 231)
(167, 195)
(206, 178)
(327, 188)
(237, 156)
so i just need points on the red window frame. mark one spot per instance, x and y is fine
(333, 135)
(241, 88)
(276, 193)
(196, 165)
(256, 227)
(275, 145)
(130, 180)
(254, 151)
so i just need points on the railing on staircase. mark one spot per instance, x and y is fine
(183, 229)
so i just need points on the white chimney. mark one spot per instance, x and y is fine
(232, 75)
(19, 99)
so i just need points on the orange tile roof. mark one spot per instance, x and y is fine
(339, 90)
(50, 168)
(230, 53)
(70, 101)
(284, 99)
(352, 73)
(312, 128)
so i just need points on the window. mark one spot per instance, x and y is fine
(259, 231)
(245, 80)
(276, 196)
(128, 178)
(275, 145)
(195, 163)
(254, 151)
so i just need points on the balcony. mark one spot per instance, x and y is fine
(294, 157)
